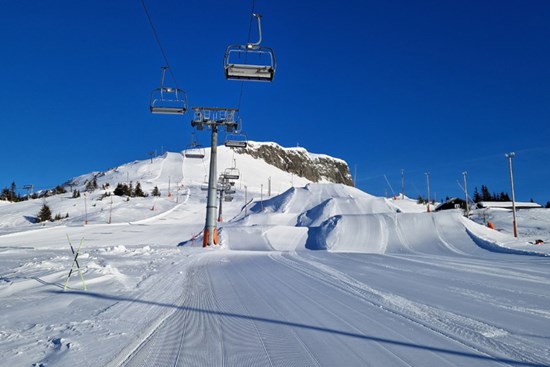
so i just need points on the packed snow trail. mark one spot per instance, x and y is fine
(277, 309)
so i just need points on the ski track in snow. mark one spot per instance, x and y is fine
(472, 333)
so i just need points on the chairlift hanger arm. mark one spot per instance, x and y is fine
(256, 44)
(162, 78)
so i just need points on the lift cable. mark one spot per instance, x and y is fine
(157, 38)
(247, 41)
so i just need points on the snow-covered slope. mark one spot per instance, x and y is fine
(389, 284)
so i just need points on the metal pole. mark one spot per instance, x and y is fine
(245, 200)
(85, 209)
(428, 182)
(514, 223)
(466, 194)
(262, 196)
(211, 208)
(111, 211)
(269, 187)
(220, 212)
(402, 184)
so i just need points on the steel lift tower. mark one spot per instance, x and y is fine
(213, 118)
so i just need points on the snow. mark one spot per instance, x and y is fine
(316, 274)
(508, 204)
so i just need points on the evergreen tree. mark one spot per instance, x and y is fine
(476, 198)
(155, 192)
(138, 191)
(45, 214)
(119, 190)
(122, 190)
(76, 194)
(5, 194)
(90, 186)
(547, 205)
(485, 194)
(60, 190)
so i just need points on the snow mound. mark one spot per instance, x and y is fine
(339, 218)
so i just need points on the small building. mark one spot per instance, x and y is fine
(507, 205)
(452, 203)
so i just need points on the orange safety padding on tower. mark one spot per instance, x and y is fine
(207, 236)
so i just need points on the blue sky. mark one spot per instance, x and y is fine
(438, 86)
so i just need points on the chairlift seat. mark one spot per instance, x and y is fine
(194, 154)
(249, 72)
(231, 176)
(168, 110)
(236, 144)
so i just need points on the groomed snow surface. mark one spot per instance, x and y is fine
(314, 275)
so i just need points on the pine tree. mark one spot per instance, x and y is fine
(476, 198)
(155, 192)
(12, 191)
(547, 205)
(485, 194)
(45, 214)
(138, 191)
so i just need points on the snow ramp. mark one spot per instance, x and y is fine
(313, 204)
(441, 233)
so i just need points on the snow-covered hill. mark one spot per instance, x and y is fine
(315, 274)
(177, 178)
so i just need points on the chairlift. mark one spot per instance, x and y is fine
(166, 100)
(228, 198)
(232, 173)
(251, 61)
(194, 150)
(236, 140)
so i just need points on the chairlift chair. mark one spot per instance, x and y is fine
(232, 173)
(228, 198)
(166, 100)
(237, 140)
(251, 61)
(194, 150)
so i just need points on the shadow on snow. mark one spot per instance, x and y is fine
(303, 326)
